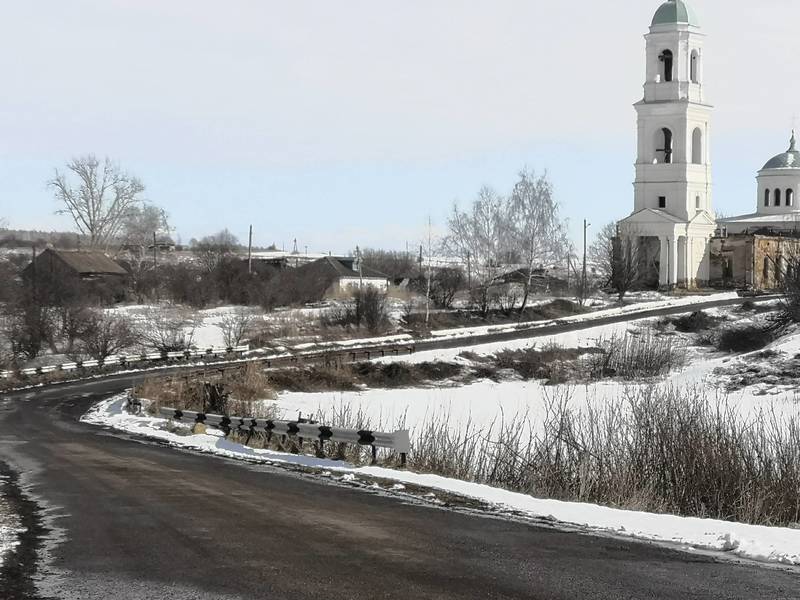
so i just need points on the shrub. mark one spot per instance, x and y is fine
(655, 449)
(552, 363)
(697, 321)
(636, 357)
(746, 338)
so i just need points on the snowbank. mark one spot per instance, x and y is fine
(771, 544)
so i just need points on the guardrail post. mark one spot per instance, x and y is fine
(403, 459)
(374, 455)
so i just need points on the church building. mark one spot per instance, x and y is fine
(673, 231)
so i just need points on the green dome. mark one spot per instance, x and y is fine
(788, 160)
(675, 11)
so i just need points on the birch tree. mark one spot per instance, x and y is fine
(98, 196)
(536, 229)
(478, 236)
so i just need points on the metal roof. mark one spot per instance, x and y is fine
(786, 160)
(675, 11)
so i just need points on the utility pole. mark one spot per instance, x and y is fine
(360, 274)
(428, 291)
(250, 252)
(469, 270)
(155, 250)
(583, 272)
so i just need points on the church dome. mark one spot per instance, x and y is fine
(673, 12)
(787, 160)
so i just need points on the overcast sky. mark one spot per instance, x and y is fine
(344, 122)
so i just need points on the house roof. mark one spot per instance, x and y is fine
(89, 262)
(343, 267)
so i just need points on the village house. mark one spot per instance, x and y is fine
(77, 272)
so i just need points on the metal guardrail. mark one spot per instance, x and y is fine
(124, 360)
(399, 441)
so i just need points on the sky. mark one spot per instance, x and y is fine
(352, 122)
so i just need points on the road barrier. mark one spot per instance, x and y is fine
(399, 441)
(123, 360)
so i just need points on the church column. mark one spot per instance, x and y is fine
(673, 260)
(689, 263)
(663, 261)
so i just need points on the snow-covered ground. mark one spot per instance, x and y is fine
(9, 528)
(486, 402)
(780, 545)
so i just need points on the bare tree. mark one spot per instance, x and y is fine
(234, 326)
(29, 329)
(141, 224)
(167, 330)
(477, 236)
(100, 200)
(212, 249)
(601, 252)
(788, 273)
(625, 266)
(139, 228)
(445, 284)
(105, 334)
(3, 223)
(536, 230)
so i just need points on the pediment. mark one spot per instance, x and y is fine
(652, 216)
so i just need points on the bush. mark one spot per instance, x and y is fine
(693, 323)
(552, 363)
(368, 308)
(653, 449)
(634, 357)
(747, 338)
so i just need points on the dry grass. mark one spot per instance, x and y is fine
(632, 357)
(655, 449)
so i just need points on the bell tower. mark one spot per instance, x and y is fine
(673, 166)
(673, 219)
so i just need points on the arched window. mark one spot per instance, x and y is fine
(766, 271)
(766, 197)
(664, 146)
(789, 197)
(666, 58)
(777, 197)
(697, 146)
(694, 67)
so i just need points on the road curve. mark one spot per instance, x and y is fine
(139, 520)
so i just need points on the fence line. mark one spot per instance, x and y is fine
(123, 360)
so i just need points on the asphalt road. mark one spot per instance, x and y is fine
(117, 518)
